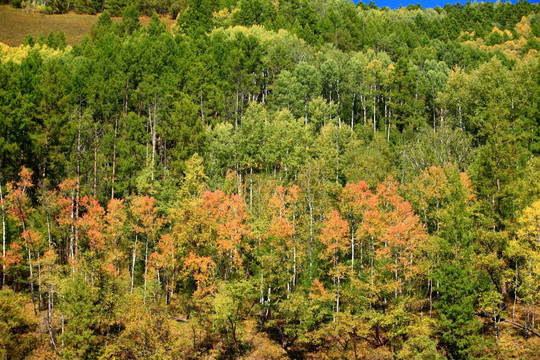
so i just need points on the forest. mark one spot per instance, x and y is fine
(273, 179)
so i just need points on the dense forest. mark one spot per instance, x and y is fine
(273, 179)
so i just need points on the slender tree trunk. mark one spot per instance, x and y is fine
(78, 187)
(442, 116)
(385, 115)
(145, 265)
(288, 278)
(437, 212)
(364, 108)
(172, 284)
(305, 110)
(374, 114)
(95, 158)
(337, 155)
(294, 246)
(242, 107)
(49, 237)
(515, 293)
(434, 119)
(114, 157)
(352, 112)
(153, 128)
(261, 288)
(31, 269)
(251, 187)
(148, 129)
(262, 315)
(40, 298)
(352, 244)
(72, 237)
(460, 117)
(133, 262)
(310, 204)
(240, 184)
(430, 297)
(202, 107)
(49, 322)
(63, 325)
(389, 122)
(533, 311)
(396, 276)
(361, 255)
(337, 300)
(371, 272)
(3, 238)
(330, 104)
(338, 104)
(236, 110)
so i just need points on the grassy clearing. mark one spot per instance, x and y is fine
(15, 24)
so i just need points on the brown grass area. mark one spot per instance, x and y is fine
(15, 24)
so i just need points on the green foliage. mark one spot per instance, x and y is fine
(458, 324)
(230, 306)
(130, 19)
(276, 179)
(420, 343)
(81, 321)
(116, 7)
(196, 20)
(17, 326)
(15, 3)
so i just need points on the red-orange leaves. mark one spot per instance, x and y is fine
(166, 248)
(201, 268)
(116, 215)
(91, 222)
(212, 230)
(34, 239)
(13, 256)
(334, 236)
(144, 211)
(356, 197)
(164, 258)
(115, 224)
(387, 231)
(65, 202)
(400, 229)
(317, 289)
(228, 217)
(396, 234)
(283, 204)
(281, 229)
(17, 198)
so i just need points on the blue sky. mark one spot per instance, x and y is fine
(394, 4)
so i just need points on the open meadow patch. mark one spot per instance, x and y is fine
(15, 24)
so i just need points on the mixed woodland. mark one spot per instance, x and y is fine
(273, 179)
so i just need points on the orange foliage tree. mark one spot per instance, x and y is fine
(115, 231)
(20, 208)
(334, 238)
(211, 233)
(147, 223)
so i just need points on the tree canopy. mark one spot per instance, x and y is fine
(272, 180)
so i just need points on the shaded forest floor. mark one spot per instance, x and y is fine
(15, 24)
